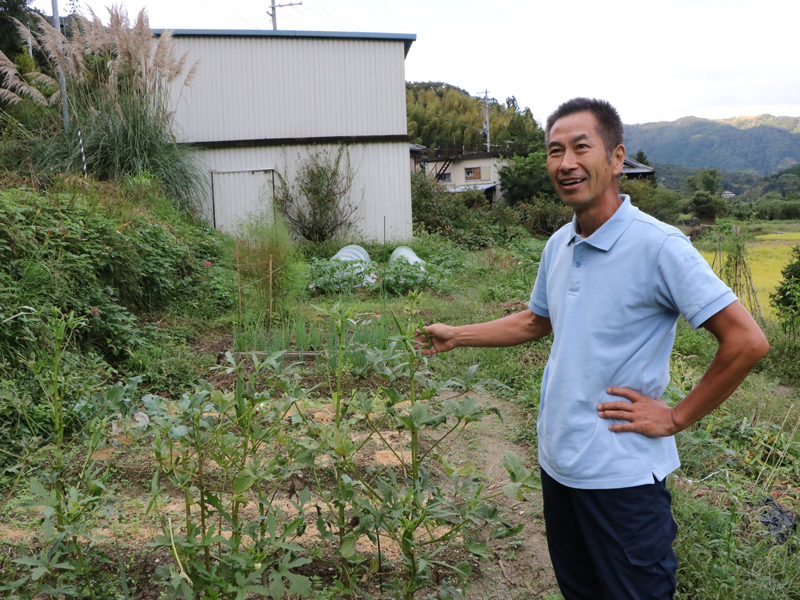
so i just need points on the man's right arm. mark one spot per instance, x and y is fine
(512, 330)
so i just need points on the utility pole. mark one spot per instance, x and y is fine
(62, 81)
(486, 127)
(274, 13)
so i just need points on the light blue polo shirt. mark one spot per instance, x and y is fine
(614, 299)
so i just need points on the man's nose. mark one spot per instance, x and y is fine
(567, 161)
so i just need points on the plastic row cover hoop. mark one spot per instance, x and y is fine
(407, 253)
(352, 253)
(360, 262)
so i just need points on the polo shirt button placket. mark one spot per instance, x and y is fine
(574, 278)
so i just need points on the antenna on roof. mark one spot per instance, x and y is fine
(274, 13)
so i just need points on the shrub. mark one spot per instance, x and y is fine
(661, 203)
(68, 251)
(542, 215)
(317, 201)
(526, 178)
(786, 298)
(706, 206)
(432, 206)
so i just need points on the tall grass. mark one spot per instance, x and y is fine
(119, 80)
(268, 262)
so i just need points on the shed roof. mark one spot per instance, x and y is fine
(406, 38)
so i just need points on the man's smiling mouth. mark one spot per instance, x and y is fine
(571, 182)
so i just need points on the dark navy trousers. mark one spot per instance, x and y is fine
(611, 544)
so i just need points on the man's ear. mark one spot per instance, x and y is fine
(618, 159)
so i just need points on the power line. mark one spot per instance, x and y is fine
(231, 14)
(345, 19)
(328, 17)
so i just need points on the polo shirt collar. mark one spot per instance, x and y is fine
(609, 232)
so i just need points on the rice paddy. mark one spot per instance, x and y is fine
(766, 260)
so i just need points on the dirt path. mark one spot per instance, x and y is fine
(521, 565)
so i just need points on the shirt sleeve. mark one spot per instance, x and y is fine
(538, 302)
(685, 282)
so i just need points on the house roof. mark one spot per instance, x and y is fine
(406, 38)
(476, 186)
(632, 167)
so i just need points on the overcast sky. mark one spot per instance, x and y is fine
(656, 60)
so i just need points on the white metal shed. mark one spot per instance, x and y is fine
(261, 100)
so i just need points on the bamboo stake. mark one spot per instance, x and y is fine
(270, 288)
(239, 282)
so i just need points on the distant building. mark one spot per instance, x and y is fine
(635, 170)
(262, 101)
(458, 172)
(728, 195)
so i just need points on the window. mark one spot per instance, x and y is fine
(443, 177)
(472, 173)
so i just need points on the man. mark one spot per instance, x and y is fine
(610, 287)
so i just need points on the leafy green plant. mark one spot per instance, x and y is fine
(401, 276)
(64, 559)
(216, 551)
(407, 504)
(339, 276)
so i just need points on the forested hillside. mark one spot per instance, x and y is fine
(446, 118)
(782, 184)
(762, 144)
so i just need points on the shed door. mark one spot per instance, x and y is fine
(236, 194)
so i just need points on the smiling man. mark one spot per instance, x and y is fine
(610, 287)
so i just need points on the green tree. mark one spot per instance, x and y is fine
(708, 180)
(526, 177)
(659, 202)
(641, 157)
(444, 117)
(706, 206)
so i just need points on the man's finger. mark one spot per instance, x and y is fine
(623, 427)
(606, 406)
(628, 393)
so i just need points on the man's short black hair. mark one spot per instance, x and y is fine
(609, 125)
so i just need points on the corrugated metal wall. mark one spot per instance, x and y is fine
(241, 185)
(237, 194)
(265, 88)
(274, 88)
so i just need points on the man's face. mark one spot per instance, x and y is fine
(577, 162)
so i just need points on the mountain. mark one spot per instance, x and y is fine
(762, 144)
